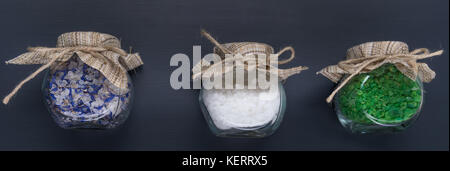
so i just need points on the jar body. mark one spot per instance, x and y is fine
(381, 101)
(243, 112)
(80, 97)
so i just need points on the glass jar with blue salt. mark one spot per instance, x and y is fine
(243, 110)
(86, 84)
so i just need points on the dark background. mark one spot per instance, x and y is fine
(165, 119)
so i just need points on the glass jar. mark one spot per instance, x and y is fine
(243, 112)
(79, 97)
(381, 101)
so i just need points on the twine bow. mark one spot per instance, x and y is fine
(98, 50)
(248, 62)
(405, 62)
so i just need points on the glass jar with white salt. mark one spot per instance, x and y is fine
(244, 109)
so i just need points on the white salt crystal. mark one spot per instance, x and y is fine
(241, 108)
(73, 75)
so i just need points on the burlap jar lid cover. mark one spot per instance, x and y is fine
(368, 56)
(98, 50)
(247, 50)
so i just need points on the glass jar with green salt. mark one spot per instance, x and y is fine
(380, 87)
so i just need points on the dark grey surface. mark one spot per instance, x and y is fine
(165, 119)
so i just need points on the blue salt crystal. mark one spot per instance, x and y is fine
(98, 107)
(78, 91)
(64, 74)
(53, 96)
(109, 98)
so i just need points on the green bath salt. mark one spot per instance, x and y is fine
(383, 96)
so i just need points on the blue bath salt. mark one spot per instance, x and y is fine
(80, 96)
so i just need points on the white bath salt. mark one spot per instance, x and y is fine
(242, 108)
